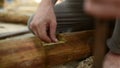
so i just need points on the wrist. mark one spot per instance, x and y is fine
(46, 3)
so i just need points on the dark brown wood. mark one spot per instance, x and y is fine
(29, 52)
(1, 3)
(100, 48)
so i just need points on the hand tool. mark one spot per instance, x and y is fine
(101, 35)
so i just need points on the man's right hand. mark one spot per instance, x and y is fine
(44, 22)
(112, 60)
(103, 8)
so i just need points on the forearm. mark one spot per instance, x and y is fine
(48, 2)
(45, 6)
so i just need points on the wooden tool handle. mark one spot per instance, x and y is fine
(101, 35)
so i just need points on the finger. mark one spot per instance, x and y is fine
(42, 33)
(33, 29)
(53, 26)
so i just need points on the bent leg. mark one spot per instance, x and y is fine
(114, 42)
(112, 59)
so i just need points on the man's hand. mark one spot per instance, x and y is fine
(44, 22)
(112, 60)
(103, 8)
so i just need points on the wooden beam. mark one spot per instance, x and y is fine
(30, 52)
(13, 18)
(1, 3)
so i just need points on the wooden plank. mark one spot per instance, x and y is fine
(30, 52)
(9, 30)
(10, 27)
(13, 18)
(1, 3)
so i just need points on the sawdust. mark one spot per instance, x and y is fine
(88, 63)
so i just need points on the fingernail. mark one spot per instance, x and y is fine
(56, 40)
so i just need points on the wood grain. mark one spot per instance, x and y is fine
(29, 52)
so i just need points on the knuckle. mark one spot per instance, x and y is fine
(33, 25)
(53, 24)
(44, 38)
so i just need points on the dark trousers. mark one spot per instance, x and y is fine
(114, 42)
